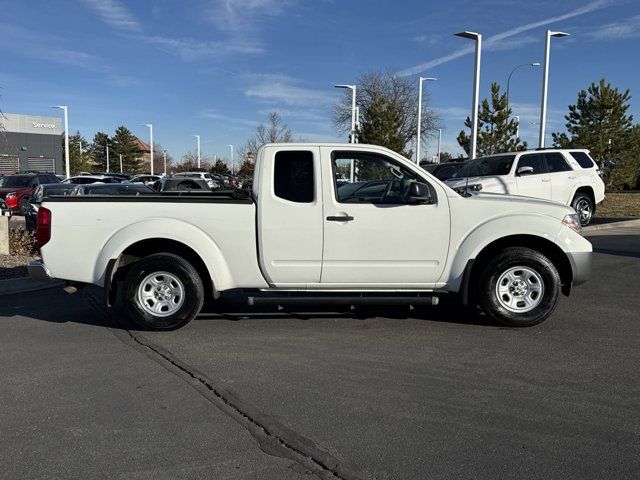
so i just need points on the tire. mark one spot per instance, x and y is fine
(162, 292)
(519, 287)
(584, 207)
(23, 206)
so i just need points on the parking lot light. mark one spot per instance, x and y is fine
(67, 164)
(352, 135)
(150, 125)
(533, 64)
(419, 136)
(198, 148)
(232, 161)
(545, 83)
(476, 87)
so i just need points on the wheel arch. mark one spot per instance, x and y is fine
(588, 190)
(558, 257)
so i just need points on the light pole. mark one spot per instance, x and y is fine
(545, 83)
(439, 141)
(476, 87)
(150, 125)
(352, 135)
(419, 135)
(534, 64)
(198, 148)
(107, 156)
(517, 117)
(120, 163)
(233, 168)
(164, 153)
(66, 138)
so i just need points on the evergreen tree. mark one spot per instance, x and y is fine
(124, 143)
(496, 128)
(78, 162)
(220, 167)
(246, 169)
(382, 125)
(599, 122)
(98, 151)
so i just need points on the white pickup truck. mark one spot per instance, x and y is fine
(323, 223)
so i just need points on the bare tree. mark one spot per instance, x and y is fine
(275, 132)
(388, 106)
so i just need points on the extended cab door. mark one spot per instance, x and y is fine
(374, 235)
(290, 215)
(532, 176)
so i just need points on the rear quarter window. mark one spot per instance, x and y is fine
(583, 159)
(293, 177)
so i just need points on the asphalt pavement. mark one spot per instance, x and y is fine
(380, 393)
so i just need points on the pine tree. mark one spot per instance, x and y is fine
(124, 143)
(98, 151)
(220, 167)
(599, 122)
(382, 125)
(496, 128)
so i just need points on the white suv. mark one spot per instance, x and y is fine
(566, 176)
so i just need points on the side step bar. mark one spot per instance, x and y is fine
(342, 300)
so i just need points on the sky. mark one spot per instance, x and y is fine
(218, 67)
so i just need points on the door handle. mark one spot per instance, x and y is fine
(546, 180)
(341, 218)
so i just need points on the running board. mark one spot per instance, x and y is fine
(281, 301)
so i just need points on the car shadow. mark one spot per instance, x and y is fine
(621, 245)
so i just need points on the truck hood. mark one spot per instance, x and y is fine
(495, 184)
(4, 191)
(506, 203)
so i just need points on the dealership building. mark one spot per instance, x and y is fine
(30, 142)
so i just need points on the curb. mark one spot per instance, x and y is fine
(632, 222)
(13, 286)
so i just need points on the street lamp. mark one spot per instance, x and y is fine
(476, 87)
(422, 79)
(120, 163)
(352, 135)
(150, 125)
(107, 145)
(545, 83)
(233, 168)
(534, 64)
(164, 153)
(66, 138)
(439, 140)
(517, 117)
(198, 147)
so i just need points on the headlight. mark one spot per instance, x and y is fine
(11, 195)
(572, 221)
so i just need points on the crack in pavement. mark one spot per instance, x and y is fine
(273, 437)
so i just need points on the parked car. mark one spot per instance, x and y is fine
(87, 179)
(40, 193)
(201, 175)
(145, 179)
(120, 176)
(443, 171)
(181, 184)
(5, 211)
(111, 189)
(569, 176)
(301, 239)
(16, 189)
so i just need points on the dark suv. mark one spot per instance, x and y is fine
(16, 189)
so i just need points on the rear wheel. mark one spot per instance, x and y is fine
(162, 292)
(583, 205)
(519, 287)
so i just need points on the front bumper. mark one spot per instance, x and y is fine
(581, 266)
(38, 271)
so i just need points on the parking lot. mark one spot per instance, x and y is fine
(384, 394)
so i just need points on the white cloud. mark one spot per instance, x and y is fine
(491, 41)
(238, 15)
(212, 114)
(190, 49)
(629, 28)
(283, 90)
(115, 14)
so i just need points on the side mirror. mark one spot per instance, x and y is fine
(524, 171)
(419, 193)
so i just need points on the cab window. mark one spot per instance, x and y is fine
(362, 177)
(293, 176)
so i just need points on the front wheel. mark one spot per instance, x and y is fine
(519, 287)
(163, 292)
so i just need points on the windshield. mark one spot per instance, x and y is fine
(486, 166)
(15, 181)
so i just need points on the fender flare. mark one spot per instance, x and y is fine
(162, 228)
